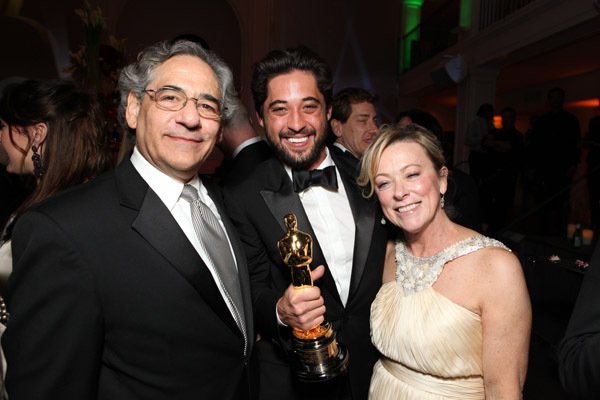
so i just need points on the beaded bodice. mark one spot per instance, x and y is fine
(417, 273)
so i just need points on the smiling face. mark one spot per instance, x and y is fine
(176, 142)
(295, 119)
(408, 187)
(357, 133)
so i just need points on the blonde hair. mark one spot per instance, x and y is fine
(388, 135)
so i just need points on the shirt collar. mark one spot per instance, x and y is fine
(167, 188)
(341, 147)
(246, 144)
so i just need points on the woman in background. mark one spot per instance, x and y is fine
(452, 319)
(55, 132)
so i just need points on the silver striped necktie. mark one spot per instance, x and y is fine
(214, 242)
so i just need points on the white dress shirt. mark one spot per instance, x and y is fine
(169, 191)
(331, 218)
(6, 262)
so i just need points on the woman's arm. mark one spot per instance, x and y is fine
(506, 321)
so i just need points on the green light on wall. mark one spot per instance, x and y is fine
(465, 14)
(413, 3)
(412, 19)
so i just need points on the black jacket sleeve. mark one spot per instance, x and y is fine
(53, 342)
(579, 351)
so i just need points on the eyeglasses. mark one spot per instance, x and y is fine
(172, 99)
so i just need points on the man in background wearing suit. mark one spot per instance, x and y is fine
(243, 148)
(353, 122)
(116, 291)
(292, 94)
(579, 350)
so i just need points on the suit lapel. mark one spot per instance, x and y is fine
(157, 226)
(281, 200)
(364, 213)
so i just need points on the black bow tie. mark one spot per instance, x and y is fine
(318, 177)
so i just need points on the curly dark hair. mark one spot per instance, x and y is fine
(279, 62)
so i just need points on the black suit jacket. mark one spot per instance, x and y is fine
(257, 208)
(579, 351)
(110, 300)
(235, 171)
(346, 159)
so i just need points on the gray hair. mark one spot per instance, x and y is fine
(135, 77)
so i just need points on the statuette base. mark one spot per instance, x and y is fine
(318, 357)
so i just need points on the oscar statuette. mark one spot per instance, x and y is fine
(317, 354)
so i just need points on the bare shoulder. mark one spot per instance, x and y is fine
(498, 274)
(496, 261)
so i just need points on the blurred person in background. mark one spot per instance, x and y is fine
(505, 157)
(353, 122)
(242, 147)
(56, 133)
(477, 130)
(552, 156)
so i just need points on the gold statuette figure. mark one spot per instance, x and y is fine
(317, 354)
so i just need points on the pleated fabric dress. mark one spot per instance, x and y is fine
(431, 346)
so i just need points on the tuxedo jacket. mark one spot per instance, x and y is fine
(346, 159)
(579, 351)
(110, 300)
(233, 172)
(257, 208)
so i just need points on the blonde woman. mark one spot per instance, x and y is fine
(453, 317)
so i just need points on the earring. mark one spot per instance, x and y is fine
(38, 168)
(442, 202)
(4, 315)
(383, 221)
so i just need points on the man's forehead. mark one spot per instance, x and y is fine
(364, 107)
(185, 70)
(295, 79)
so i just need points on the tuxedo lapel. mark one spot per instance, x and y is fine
(157, 226)
(364, 213)
(281, 200)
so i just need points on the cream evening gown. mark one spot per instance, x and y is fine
(431, 347)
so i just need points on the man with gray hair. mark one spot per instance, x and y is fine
(242, 147)
(134, 285)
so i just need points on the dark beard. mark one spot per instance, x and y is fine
(290, 159)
